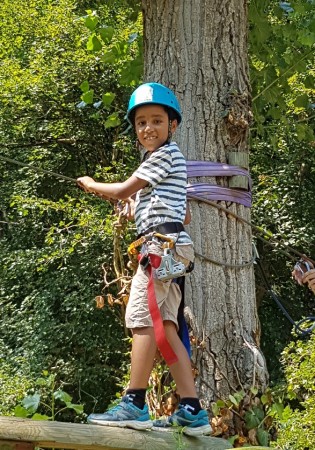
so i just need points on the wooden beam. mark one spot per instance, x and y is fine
(46, 434)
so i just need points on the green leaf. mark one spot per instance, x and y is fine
(277, 410)
(112, 121)
(91, 22)
(262, 436)
(31, 403)
(77, 408)
(94, 44)
(264, 399)
(215, 409)
(251, 420)
(307, 38)
(88, 96)
(232, 439)
(40, 417)
(84, 86)
(62, 396)
(109, 57)
(254, 390)
(233, 400)
(259, 413)
(302, 101)
(106, 34)
(19, 411)
(107, 98)
(221, 403)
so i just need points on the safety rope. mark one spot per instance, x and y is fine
(38, 169)
(221, 263)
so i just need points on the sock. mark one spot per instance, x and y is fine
(137, 397)
(191, 404)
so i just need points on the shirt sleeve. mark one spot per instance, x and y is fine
(156, 167)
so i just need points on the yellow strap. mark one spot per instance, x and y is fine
(133, 246)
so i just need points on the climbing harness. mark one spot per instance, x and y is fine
(163, 268)
(168, 268)
(302, 332)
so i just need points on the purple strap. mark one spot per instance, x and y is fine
(215, 192)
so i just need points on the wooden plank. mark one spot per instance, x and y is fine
(93, 437)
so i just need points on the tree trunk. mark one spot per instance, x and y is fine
(199, 49)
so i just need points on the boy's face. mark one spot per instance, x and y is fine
(152, 126)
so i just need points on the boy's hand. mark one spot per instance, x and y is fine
(130, 208)
(309, 278)
(86, 183)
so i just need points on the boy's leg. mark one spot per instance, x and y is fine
(190, 416)
(131, 412)
(181, 371)
(142, 357)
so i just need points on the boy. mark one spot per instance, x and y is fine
(160, 209)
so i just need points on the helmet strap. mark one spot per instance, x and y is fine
(138, 145)
(170, 134)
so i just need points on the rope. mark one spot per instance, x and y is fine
(37, 169)
(221, 263)
(272, 241)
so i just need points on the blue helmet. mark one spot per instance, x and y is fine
(154, 93)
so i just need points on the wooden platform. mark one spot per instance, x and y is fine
(25, 434)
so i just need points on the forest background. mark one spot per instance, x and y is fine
(67, 70)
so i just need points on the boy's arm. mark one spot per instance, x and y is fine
(187, 219)
(117, 191)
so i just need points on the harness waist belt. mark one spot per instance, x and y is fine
(165, 228)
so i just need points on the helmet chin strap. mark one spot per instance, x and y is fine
(170, 134)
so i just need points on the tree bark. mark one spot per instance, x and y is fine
(199, 49)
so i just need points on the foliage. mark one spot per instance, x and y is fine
(247, 418)
(14, 382)
(296, 427)
(282, 159)
(281, 64)
(48, 397)
(54, 240)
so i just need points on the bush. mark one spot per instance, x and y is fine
(297, 425)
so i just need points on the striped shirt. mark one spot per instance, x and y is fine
(164, 199)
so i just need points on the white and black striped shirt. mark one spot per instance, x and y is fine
(164, 199)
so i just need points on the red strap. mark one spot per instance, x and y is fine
(161, 340)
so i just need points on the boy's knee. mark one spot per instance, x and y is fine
(170, 327)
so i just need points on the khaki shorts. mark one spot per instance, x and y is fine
(168, 294)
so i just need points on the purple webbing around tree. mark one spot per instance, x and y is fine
(212, 191)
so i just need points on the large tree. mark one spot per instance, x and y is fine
(199, 48)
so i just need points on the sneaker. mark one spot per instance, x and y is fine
(124, 415)
(193, 425)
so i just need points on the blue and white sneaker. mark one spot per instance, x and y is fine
(192, 425)
(124, 415)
